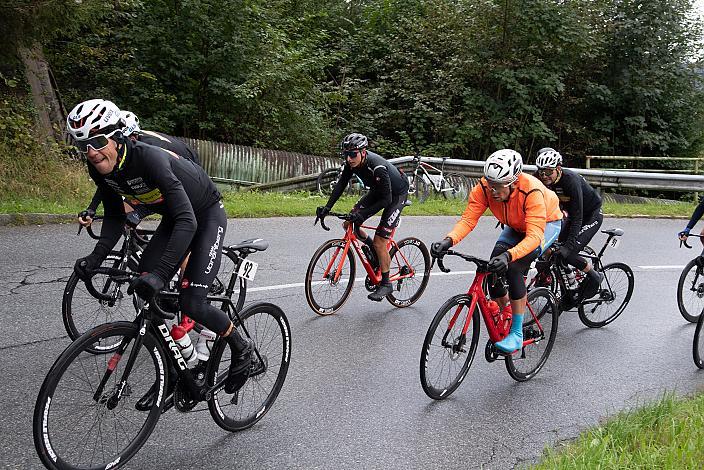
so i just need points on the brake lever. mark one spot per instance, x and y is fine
(441, 265)
(80, 227)
(684, 242)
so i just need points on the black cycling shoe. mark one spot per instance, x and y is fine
(381, 291)
(591, 284)
(240, 366)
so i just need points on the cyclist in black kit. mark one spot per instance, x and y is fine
(582, 205)
(132, 130)
(388, 190)
(193, 219)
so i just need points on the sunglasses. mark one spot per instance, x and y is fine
(97, 142)
(496, 187)
(545, 171)
(351, 153)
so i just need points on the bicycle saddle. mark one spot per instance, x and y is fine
(616, 232)
(407, 203)
(254, 244)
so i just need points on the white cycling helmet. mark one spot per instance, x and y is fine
(548, 158)
(503, 166)
(131, 123)
(93, 117)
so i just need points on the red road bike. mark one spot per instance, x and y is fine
(331, 271)
(453, 336)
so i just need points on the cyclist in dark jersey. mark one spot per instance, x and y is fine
(582, 205)
(131, 128)
(193, 219)
(388, 190)
(696, 215)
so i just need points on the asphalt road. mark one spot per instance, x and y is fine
(352, 398)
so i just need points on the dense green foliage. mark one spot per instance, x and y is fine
(443, 77)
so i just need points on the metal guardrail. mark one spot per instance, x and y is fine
(474, 169)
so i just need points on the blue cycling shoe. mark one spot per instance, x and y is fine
(514, 340)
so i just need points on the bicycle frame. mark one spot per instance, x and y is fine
(435, 180)
(350, 240)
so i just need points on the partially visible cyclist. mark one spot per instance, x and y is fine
(193, 219)
(696, 215)
(582, 205)
(131, 129)
(388, 190)
(531, 217)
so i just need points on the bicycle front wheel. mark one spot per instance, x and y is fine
(411, 257)
(76, 426)
(417, 188)
(329, 277)
(458, 186)
(539, 331)
(447, 351)
(690, 291)
(81, 311)
(327, 180)
(269, 329)
(612, 299)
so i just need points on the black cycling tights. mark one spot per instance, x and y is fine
(203, 265)
(516, 270)
(590, 226)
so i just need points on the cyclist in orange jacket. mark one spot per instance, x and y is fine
(531, 216)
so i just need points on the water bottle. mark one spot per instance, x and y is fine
(205, 344)
(180, 336)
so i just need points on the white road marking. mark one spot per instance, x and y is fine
(452, 273)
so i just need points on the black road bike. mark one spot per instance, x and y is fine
(96, 410)
(690, 286)
(613, 295)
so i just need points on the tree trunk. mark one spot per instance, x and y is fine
(50, 111)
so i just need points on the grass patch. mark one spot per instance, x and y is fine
(678, 209)
(666, 434)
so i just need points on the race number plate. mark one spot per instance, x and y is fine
(615, 242)
(248, 269)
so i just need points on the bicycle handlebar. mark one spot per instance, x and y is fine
(89, 229)
(684, 242)
(339, 215)
(120, 275)
(481, 264)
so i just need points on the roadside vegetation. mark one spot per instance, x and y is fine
(666, 434)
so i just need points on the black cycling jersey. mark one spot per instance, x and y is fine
(383, 179)
(578, 199)
(157, 139)
(168, 184)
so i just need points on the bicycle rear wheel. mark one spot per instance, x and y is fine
(81, 311)
(326, 292)
(540, 326)
(268, 327)
(75, 430)
(458, 183)
(417, 188)
(690, 291)
(448, 353)
(612, 299)
(411, 256)
(698, 345)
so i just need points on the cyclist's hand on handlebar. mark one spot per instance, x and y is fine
(322, 212)
(438, 249)
(84, 266)
(146, 285)
(499, 263)
(684, 233)
(85, 218)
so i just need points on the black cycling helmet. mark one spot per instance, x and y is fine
(354, 141)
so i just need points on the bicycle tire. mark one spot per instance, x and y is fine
(450, 351)
(313, 294)
(326, 180)
(257, 385)
(696, 290)
(76, 299)
(417, 189)
(398, 265)
(698, 344)
(458, 183)
(519, 366)
(46, 424)
(607, 296)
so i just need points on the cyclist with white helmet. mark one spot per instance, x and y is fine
(582, 205)
(531, 218)
(132, 130)
(193, 219)
(388, 190)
